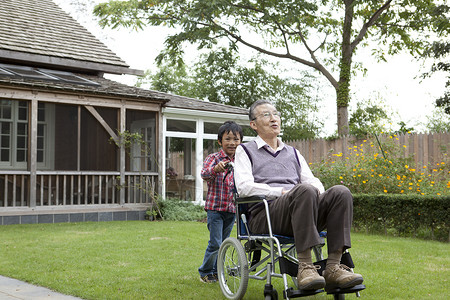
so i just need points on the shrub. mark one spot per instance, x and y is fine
(374, 168)
(173, 209)
(404, 215)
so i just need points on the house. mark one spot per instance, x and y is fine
(75, 146)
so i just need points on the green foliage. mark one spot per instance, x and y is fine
(370, 116)
(440, 50)
(168, 80)
(374, 168)
(173, 209)
(221, 76)
(321, 35)
(439, 121)
(405, 215)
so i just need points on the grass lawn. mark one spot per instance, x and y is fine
(159, 260)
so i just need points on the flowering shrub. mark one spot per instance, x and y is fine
(371, 167)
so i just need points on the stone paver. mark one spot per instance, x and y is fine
(13, 289)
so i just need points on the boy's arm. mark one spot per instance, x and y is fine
(208, 172)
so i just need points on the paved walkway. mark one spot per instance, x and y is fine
(13, 289)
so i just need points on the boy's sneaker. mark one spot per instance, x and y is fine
(208, 279)
(308, 278)
(341, 276)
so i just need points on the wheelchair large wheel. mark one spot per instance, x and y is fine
(232, 267)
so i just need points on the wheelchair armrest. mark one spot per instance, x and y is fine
(251, 199)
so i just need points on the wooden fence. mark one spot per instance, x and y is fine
(428, 148)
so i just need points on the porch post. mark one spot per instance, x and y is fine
(161, 190)
(122, 154)
(33, 151)
(199, 162)
(165, 155)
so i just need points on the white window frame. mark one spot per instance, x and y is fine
(200, 117)
(49, 138)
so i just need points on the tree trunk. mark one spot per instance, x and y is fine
(342, 119)
(343, 88)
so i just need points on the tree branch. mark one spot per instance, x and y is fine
(369, 23)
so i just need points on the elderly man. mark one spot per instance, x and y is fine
(298, 203)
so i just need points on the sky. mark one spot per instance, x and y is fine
(396, 81)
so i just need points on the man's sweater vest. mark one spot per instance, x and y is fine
(279, 169)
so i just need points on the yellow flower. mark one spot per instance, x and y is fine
(406, 166)
(385, 190)
(402, 191)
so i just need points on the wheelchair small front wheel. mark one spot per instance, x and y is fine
(232, 269)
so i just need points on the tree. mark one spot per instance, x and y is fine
(371, 117)
(322, 35)
(438, 121)
(441, 50)
(168, 80)
(222, 77)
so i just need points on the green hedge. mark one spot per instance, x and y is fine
(174, 209)
(403, 215)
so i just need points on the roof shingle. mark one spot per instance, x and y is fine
(40, 27)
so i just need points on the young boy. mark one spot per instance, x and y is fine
(219, 204)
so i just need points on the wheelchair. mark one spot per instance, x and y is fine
(259, 257)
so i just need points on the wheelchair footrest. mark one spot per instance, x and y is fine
(291, 293)
(353, 289)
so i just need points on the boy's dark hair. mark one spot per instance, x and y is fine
(230, 126)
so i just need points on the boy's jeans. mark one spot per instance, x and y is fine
(220, 224)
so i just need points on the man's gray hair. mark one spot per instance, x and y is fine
(251, 110)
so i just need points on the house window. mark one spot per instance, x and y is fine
(143, 154)
(14, 130)
(181, 125)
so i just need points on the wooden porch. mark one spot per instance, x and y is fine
(75, 196)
